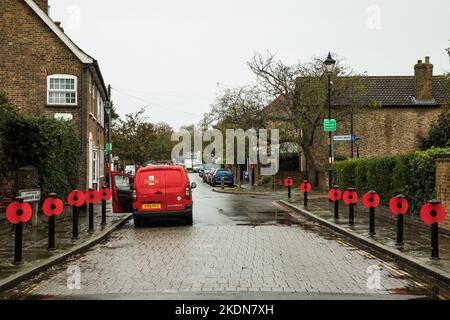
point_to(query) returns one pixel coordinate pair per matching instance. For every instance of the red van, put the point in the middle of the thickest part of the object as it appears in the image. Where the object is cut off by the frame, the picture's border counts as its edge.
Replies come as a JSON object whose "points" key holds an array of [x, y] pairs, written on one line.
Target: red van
{"points": [[162, 191]]}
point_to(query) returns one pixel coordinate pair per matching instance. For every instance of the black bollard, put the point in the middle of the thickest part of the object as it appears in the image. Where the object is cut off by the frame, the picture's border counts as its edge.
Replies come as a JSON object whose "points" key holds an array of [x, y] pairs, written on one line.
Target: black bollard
{"points": [[52, 227], [435, 241], [18, 238], [91, 215], [103, 212], [305, 199], [289, 192], [372, 220], [400, 229], [351, 214], [336, 210], [75, 211]]}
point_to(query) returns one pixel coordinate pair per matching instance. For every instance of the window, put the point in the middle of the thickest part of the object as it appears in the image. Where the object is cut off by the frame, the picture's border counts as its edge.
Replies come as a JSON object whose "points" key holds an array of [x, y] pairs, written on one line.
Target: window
{"points": [[62, 89], [102, 163], [95, 170]]}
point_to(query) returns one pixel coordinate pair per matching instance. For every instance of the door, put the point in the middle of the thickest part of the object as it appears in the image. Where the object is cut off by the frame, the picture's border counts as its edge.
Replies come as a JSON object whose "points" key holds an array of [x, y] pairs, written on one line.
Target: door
{"points": [[122, 189], [176, 184]]}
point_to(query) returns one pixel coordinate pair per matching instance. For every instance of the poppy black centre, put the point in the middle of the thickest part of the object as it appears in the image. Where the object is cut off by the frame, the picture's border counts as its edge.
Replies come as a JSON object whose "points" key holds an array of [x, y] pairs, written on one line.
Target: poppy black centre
{"points": [[53, 206], [335, 195], [19, 212], [350, 197], [75, 198], [399, 205], [433, 213], [371, 199], [91, 196], [104, 194]]}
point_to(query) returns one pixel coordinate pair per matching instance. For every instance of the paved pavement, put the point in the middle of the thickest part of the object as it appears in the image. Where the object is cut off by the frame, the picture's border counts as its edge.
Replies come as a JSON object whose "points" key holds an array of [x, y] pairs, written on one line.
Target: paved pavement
{"points": [[243, 246]]}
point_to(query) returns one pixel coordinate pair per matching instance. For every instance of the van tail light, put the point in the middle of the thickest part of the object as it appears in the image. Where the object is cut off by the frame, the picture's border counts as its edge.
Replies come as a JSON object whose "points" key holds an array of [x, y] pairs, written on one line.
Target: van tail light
{"points": [[134, 197], [188, 193]]}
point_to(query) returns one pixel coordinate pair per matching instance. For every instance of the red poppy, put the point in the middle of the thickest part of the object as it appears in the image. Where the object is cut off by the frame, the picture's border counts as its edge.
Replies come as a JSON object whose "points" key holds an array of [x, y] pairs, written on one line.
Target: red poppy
{"points": [[371, 200], [305, 186], [93, 196], [335, 194], [288, 182], [105, 194], [53, 207], [432, 212], [350, 197], [398, 205], [76, 198], [19, 212]]}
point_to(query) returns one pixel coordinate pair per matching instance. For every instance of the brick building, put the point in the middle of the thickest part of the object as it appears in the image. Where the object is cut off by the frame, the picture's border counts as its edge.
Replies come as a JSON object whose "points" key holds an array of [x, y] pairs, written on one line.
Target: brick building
{"points": [[46, 74], [388, 118]]}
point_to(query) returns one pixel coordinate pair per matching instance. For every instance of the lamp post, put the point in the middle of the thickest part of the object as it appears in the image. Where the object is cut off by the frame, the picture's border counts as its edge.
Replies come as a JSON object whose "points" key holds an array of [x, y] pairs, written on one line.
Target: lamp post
{"points": [[330, 63], [108, 108]]}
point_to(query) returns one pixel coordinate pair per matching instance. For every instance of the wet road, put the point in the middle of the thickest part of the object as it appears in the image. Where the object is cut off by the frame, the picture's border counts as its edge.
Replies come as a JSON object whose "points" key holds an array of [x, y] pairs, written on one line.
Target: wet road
{"points": [[240, 247]]}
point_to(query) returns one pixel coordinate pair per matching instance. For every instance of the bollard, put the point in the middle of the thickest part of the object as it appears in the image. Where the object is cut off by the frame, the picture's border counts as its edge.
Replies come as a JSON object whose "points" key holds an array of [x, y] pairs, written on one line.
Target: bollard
{"points": [[350, 199], [91, 210], [433, 213], [103, 212], [335, 195], [371, 200], [399, 207], [222, 183], [52, 207], [288, 182], [305, 187], [17, 214], [76, 200], [105, 195]]}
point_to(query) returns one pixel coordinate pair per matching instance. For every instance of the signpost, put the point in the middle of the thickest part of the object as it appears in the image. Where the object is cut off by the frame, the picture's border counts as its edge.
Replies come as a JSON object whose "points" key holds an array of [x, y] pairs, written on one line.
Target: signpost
{"points": [[348, 137], [329, 125], [32, 196]]}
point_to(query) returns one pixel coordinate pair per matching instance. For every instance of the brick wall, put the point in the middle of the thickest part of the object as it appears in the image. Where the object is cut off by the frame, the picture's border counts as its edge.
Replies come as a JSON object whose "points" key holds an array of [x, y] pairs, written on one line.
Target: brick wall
{"points": [[443, 185]]}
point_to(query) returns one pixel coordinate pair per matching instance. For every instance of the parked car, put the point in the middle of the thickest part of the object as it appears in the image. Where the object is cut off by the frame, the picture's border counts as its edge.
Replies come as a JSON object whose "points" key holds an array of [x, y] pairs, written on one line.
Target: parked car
{"points": [[196, 167], [161, 191], [209, 176], [225, 174], [206, 168]]}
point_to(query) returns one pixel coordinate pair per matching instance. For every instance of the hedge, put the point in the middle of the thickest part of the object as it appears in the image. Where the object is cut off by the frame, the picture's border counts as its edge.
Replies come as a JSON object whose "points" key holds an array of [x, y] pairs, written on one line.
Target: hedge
{"points": [[50, 145], [412, 174]]}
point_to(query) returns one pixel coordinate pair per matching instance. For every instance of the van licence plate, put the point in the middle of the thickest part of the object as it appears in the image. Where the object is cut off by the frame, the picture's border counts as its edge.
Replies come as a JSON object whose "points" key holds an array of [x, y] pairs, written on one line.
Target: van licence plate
{"points": [[150, 206]]}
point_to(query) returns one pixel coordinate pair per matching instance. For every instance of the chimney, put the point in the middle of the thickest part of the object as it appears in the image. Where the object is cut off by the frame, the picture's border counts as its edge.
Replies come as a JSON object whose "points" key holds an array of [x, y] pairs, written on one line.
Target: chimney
{"points": [[43, 4], [423, 74], [58, 24]]}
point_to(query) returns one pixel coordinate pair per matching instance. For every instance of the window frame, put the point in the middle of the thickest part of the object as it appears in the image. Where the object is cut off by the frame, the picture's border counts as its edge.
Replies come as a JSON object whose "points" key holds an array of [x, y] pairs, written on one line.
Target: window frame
{"points": [[62, 76]]}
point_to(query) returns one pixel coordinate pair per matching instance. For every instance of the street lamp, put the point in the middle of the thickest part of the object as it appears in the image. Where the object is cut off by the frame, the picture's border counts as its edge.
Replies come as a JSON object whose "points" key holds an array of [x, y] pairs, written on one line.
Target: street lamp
{"points": [[330, 63]]}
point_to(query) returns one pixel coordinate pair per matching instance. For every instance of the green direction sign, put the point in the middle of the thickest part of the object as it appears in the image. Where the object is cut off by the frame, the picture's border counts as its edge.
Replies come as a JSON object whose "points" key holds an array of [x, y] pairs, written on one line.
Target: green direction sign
{"points": [[108, 147], [329, 125]]}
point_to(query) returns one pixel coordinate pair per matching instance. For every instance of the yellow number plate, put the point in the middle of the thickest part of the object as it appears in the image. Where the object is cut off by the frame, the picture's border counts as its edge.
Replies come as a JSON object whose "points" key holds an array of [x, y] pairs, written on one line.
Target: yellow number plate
{"points": [[151, 206]]}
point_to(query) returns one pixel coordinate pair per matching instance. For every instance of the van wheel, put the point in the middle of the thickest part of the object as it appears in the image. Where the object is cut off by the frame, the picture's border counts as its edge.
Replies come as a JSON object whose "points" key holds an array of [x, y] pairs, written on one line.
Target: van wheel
{"points": [[189, 220], [138, 222]]}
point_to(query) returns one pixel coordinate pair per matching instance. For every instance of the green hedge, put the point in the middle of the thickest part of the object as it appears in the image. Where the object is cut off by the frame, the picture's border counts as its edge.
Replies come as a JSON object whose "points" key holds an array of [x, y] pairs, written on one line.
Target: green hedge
{"points": [[411, 174], [52, 146]]}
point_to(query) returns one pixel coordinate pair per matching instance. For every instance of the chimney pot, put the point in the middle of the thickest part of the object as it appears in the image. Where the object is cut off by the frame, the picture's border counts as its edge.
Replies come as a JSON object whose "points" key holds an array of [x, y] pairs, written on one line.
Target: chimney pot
{"points": [[427, 60]]}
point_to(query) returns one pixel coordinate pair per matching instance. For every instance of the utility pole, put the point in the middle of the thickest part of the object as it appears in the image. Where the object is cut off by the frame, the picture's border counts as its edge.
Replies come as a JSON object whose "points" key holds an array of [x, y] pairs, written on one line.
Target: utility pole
{"points": [[110, 107], [351, 132]]}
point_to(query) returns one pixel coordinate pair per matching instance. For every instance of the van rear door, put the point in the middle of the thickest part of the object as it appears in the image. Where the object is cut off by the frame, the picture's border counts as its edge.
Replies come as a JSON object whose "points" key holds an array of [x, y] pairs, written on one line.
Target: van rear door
{"points": [[176, 184], [151, 188]]}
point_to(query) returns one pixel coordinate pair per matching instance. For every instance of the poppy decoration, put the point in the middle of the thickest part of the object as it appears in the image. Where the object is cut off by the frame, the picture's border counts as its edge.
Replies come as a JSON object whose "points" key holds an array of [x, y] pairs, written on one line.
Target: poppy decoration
{"points": [[93, 196], [432, 212], [398, 205], [53, 207], [371, 200], [305, 186], [76, 198], [288, 182], [18, 212], [350, 197], [335, 194], [105, 194]]}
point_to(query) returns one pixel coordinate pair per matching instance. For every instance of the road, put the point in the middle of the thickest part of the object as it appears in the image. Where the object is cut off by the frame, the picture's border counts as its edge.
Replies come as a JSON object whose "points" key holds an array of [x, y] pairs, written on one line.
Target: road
{"points": [[239, 247]]}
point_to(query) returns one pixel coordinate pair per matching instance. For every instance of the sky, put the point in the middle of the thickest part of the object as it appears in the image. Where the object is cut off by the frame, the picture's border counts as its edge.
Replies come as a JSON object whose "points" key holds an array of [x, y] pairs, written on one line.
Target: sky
{"points": [[174, 56]]}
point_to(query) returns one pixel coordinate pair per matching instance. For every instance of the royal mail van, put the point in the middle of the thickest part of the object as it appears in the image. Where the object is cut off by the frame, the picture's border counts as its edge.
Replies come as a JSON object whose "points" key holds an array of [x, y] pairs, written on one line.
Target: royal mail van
{"points": [[162, 191]]}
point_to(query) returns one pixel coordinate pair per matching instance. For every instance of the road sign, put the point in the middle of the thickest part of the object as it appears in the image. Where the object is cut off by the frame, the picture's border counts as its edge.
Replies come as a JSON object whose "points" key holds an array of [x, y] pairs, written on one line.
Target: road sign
{"points": [[30, 195], [348, 137], [329, 125], [108, 147]]}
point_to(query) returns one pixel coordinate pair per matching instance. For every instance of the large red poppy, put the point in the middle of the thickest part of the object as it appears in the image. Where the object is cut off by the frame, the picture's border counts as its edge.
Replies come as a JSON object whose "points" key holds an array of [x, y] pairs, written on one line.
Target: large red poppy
{"points": [[350, 197], [305, 186], [93, 196], [432, 212], [335, 194], [53, 207], [398, 205], [76, 198], [288, 182], [105, 194], [19, 212], [371, 200]]}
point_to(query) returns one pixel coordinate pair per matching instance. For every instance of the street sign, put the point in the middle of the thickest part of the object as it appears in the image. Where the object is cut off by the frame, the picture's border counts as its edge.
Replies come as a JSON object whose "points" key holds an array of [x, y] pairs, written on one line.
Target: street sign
{"points": [[108, 147], [30, 195], [348, 137], [329, 125]]}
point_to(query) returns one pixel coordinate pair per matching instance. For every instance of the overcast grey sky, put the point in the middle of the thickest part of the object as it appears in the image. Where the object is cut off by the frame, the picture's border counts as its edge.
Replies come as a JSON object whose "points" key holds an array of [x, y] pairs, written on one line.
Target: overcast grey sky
{"points": [[175, 55]]}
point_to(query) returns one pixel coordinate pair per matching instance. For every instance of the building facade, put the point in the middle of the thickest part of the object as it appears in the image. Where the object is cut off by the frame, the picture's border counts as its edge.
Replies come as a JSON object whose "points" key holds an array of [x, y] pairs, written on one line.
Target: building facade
{"points": [[44, 73]]}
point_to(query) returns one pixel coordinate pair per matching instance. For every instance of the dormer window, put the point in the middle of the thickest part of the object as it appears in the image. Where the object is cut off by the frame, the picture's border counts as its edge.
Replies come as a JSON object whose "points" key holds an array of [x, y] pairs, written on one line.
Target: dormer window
{"points": [[62, 90]]}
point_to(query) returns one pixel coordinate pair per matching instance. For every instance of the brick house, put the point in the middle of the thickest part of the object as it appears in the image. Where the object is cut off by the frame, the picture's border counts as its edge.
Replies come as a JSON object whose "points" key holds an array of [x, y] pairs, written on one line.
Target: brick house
{"points": [[389, 118], [44, 73]]}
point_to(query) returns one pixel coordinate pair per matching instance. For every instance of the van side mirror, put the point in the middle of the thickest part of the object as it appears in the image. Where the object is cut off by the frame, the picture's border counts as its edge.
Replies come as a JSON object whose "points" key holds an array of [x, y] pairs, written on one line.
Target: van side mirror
{"points": [[193, 185]]}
